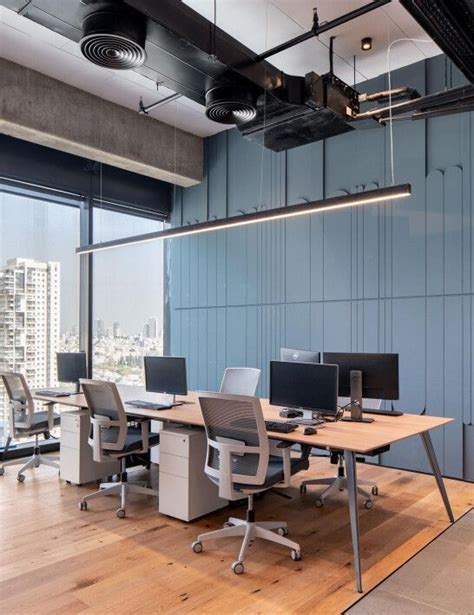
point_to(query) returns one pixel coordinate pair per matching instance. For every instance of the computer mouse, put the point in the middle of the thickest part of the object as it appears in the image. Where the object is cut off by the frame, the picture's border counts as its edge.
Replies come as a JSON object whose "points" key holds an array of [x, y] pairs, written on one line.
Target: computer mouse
{"points": [[310, 431]]}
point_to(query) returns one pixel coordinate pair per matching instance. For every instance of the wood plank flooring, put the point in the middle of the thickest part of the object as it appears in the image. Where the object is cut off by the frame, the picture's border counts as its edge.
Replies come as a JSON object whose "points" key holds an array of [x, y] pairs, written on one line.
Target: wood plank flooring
{"points": [[57, 559]]}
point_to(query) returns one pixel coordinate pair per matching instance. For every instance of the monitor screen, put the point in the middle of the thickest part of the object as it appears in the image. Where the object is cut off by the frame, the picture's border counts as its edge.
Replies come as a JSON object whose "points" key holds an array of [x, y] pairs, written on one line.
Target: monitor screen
{"points": [[166, 375], [312, 386], [379, 373], [71, 366], [302, 356]]}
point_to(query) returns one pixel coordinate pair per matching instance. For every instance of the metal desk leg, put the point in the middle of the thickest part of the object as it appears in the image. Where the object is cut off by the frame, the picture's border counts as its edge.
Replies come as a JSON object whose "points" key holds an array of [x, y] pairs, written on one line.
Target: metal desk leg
{"points": [[430, 453], [349, 456]]}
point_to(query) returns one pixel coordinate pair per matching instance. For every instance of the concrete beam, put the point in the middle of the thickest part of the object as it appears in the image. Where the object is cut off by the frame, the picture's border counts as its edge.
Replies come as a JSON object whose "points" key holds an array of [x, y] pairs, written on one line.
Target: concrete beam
{"points": [[43, 110]]}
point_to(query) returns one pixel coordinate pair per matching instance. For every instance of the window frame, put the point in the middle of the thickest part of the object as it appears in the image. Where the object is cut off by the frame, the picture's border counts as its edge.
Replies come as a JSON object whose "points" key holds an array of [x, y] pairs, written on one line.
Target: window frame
{"points": [[88, 203]]}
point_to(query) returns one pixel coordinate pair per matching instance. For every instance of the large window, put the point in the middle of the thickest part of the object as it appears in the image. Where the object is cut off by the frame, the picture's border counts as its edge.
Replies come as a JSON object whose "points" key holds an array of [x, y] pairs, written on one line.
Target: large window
{"points": [[127, 298], [39, 286]]}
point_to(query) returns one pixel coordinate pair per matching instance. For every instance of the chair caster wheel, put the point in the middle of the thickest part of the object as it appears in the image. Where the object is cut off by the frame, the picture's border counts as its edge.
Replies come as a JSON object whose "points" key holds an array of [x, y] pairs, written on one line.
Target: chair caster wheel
{"points": [[302, 489], [82, 505], [319, 503], [21, 478], [237, 567], [368, 504], [295, 555], [282, 531], [120, 513], [375, 490], [2, 471], [197, 546], [228, 524]]}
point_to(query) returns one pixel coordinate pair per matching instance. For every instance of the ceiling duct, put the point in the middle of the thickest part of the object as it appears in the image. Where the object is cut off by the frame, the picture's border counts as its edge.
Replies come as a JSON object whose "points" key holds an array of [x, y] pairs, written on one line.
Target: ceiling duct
{"points": [[450, 23], [193, 57], [230, 104], [114, 38]]}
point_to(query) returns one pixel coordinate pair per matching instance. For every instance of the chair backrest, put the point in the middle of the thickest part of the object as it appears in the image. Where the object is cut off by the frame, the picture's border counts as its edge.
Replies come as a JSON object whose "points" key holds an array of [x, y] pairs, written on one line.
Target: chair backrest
{"points": [[238, 447], [21, 403], [240, 381], [107, 416]]}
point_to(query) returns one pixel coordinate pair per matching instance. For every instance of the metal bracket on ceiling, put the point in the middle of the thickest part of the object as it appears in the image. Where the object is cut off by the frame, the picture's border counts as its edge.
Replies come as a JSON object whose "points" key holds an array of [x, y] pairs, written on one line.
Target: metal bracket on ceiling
{"points": [[159, 103], [318, 28]]}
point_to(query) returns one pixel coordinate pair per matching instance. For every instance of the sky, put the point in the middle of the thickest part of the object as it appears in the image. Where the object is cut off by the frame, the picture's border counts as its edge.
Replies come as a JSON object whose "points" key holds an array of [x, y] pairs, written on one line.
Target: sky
{"points": [[128, 282]]}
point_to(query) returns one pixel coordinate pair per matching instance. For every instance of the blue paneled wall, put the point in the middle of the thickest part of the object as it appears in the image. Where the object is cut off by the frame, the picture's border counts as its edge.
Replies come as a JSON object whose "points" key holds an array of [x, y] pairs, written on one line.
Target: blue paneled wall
{"points": [[380, 278]]}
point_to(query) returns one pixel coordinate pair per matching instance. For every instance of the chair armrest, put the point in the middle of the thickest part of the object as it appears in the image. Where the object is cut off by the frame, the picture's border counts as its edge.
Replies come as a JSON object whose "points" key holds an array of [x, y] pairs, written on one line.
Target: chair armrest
{"points": [[145, 425], [285, 444], [99, 422], [228, 448], [50, 411]]}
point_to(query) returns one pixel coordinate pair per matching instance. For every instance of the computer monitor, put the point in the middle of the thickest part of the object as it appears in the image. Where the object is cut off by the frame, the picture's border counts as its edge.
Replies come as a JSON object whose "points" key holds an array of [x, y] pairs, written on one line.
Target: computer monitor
{"points": [[166, 375], [301, 356], [71, 367], [365, 375], [307, 386]]}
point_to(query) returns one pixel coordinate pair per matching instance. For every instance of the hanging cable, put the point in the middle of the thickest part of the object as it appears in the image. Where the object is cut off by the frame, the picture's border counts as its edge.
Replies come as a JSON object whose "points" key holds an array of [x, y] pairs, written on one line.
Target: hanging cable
{"points": [[390, 118]]}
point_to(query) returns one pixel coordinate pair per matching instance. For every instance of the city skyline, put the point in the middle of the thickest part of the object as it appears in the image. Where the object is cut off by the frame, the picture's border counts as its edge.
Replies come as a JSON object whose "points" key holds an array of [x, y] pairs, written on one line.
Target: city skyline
{"points": [[127, 285]]}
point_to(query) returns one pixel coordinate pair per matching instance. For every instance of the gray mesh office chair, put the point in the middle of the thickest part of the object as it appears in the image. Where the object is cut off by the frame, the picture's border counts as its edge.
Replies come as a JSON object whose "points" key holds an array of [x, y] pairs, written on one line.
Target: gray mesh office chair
{"points": [[112, 438], [240, 381], [240, 461], [26, 422]]}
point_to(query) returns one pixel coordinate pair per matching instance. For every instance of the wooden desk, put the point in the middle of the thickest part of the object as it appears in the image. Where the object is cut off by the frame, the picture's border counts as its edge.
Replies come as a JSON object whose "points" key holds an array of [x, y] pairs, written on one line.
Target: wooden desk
{"points": [[352, 438]]}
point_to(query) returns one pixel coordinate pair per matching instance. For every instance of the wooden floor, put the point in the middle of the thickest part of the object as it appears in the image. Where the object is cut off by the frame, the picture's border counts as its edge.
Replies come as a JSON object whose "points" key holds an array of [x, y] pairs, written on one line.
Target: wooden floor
{"points": [[57, 559]]}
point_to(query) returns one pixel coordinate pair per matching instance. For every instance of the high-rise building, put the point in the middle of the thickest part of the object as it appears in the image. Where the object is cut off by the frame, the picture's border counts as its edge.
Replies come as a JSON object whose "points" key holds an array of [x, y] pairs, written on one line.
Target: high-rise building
{"points": [[29, 320], [116, 329], [99, 328], [152, 328]]}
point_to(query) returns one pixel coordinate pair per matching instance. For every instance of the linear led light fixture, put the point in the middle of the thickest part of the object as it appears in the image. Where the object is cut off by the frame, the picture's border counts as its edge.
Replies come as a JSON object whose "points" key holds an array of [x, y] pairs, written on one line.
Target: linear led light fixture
{"points": [[330, 204]]}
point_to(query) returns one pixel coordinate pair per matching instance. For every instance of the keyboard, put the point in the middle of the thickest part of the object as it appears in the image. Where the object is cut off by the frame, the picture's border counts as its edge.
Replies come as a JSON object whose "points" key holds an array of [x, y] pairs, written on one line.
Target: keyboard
{"points": [[382, 411], [280, 426], [48, 393], [147, 405]]}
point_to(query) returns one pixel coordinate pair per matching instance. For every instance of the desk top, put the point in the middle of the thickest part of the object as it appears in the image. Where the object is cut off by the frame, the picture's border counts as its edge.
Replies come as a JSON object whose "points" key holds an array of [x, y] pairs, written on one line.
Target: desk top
{"points": [[356, 437]]}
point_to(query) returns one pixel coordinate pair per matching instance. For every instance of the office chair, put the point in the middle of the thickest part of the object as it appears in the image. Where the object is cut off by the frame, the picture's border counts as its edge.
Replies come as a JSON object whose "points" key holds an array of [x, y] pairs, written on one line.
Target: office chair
{"points": [[241, 460], [240, 381], [339, 483], [112, 438], [25, 422]]}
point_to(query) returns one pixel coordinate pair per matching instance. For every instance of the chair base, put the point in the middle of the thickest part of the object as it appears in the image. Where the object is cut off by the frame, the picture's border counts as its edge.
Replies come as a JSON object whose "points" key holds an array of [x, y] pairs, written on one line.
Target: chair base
{"points": [[33, 462], [122, 489], [339, 483], [250, 530]]}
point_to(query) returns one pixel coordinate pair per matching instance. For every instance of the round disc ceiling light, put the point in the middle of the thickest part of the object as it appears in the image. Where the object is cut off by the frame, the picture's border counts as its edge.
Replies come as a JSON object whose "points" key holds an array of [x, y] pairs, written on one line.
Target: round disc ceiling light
{"points": [[114, 39], [230, 104]]}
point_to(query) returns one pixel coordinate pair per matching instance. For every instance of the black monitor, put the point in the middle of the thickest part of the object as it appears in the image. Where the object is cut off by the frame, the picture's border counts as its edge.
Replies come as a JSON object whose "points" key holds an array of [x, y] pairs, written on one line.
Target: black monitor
{"points": [[379, 373], [166, 375], [309, 386], [71, 367], [301, 356]]}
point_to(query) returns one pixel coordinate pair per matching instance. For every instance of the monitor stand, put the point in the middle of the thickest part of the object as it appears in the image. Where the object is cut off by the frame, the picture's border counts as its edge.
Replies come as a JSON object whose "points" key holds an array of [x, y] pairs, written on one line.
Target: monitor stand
{"points": [[78, 387], [356, 399]]}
